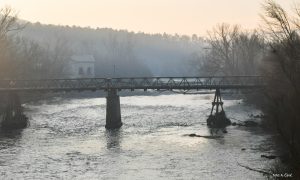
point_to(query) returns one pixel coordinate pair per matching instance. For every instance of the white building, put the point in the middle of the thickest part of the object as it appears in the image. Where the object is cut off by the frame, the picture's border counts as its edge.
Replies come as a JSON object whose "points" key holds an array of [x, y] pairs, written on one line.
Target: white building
{"points": [[82, 66]]}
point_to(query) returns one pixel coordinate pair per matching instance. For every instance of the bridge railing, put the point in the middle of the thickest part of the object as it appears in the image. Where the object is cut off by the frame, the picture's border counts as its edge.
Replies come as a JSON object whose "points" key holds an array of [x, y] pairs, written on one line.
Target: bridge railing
{"points": [[208, 82], [186, 82]]}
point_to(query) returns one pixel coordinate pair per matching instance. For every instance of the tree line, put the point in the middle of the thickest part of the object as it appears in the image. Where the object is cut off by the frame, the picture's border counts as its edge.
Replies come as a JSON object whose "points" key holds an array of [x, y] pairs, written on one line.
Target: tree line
{"points": [[35, 50]]}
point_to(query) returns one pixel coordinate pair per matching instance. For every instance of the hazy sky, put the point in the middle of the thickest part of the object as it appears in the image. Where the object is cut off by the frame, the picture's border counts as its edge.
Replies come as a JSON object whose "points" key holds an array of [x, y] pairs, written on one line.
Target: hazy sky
{"points": [[151, 16]]}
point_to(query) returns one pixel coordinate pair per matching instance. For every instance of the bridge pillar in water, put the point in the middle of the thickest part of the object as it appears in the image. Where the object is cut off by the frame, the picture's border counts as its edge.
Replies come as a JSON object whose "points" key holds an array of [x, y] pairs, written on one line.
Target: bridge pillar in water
{"points": [[13, 116], [218, 119], [113, 110]]}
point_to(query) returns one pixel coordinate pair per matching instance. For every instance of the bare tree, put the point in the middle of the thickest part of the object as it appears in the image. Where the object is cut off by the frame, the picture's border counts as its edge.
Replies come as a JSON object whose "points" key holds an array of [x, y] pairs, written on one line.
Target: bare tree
{"points": [[8, 23], [233, 51], [282, 68], [249, 50], [222, 55], [120, 58], [59, 56], [283, 39]]}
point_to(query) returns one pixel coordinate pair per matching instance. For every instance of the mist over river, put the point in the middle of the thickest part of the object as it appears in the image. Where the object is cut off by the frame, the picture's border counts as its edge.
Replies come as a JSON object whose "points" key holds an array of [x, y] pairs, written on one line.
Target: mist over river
{"points": [[66, 139]]}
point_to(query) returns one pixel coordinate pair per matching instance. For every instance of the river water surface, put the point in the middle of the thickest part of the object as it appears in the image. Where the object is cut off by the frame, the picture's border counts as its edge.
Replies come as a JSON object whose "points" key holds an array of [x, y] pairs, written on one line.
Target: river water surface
{"points": [[66, 139]]}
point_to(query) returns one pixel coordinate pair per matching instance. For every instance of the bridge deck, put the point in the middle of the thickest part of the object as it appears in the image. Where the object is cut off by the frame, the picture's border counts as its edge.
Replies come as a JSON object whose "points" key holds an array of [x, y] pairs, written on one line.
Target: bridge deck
{"points": [[143, 83]]}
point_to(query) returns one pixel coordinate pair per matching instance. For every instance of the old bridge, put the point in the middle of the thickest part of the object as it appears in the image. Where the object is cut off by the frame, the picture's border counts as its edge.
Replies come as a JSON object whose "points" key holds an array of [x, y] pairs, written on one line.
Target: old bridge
{"points": [[113, 85]]}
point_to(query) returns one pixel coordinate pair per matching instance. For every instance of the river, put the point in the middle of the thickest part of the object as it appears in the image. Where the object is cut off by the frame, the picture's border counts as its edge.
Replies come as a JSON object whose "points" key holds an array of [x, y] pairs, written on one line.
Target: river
{"points": [[66, 139]]}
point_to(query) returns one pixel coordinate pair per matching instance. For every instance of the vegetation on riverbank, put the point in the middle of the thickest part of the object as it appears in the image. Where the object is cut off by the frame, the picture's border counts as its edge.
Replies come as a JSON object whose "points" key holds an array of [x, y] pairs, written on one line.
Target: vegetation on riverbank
{"points": [[273, 52], [281, 66]]}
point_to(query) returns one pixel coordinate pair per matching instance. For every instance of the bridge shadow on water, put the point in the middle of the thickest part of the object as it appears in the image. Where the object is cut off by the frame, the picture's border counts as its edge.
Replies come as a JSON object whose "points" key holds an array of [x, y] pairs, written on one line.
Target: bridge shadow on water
{"points": [[113, 138]]}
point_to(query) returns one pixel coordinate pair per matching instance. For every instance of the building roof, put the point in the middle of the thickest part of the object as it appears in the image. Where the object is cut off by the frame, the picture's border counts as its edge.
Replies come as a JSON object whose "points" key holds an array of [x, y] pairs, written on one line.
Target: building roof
{"points": [[83, 58]]}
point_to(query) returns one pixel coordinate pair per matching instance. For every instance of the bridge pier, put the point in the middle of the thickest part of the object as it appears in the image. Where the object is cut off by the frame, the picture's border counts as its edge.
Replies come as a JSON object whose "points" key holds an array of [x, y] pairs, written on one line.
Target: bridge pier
{"points": [[218, 119], [113, 110], [13, 117]]}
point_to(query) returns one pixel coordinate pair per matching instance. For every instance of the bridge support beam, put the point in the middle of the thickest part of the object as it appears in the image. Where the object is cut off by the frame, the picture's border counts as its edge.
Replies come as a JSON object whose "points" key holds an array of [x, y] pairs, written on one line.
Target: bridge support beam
{"points": [[113, 110], [218, 119]]}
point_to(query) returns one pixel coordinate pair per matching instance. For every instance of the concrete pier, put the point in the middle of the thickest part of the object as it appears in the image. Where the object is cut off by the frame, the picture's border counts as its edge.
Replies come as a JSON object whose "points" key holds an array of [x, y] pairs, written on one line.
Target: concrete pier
{"points": [[113, 110], [13, 117]]}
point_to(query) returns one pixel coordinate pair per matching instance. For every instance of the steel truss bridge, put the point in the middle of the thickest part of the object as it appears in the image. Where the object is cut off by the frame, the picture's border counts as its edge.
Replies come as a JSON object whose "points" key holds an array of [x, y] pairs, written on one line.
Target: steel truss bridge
{"points": [[113, 85], [141, 83]]}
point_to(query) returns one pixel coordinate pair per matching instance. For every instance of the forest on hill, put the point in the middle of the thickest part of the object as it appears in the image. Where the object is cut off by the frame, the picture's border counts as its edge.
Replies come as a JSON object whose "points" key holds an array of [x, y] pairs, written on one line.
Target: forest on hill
{"points": [[118, 52]]}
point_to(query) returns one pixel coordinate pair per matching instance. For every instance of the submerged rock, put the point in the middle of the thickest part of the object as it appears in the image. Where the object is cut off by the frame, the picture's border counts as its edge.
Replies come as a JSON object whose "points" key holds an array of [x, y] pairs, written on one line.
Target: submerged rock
{"points": [[269, 157], [192, 135], [257, 116], [250, 124], [208, 137], [246, 124]]}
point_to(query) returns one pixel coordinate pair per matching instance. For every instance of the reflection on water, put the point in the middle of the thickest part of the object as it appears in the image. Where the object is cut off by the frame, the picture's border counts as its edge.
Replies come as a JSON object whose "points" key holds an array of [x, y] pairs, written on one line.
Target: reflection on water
{"points": [[113, 138], [13, 135], [9, 143], [9, 139], [217, 131], [66, 139]]}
